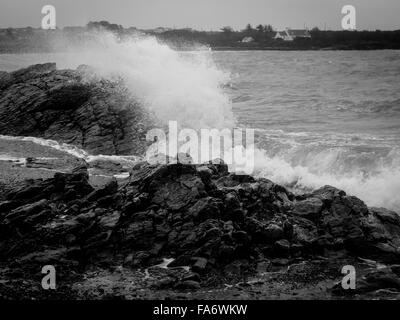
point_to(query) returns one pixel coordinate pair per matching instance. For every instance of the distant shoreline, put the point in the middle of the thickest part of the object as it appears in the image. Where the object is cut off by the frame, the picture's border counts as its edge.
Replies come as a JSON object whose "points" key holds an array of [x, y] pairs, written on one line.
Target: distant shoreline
{"points": [[29, 40], [221, 49], [297, 49]]}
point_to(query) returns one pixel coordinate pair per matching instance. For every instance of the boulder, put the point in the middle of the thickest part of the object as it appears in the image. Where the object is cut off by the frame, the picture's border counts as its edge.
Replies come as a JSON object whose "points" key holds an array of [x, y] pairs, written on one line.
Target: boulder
{"points": [[187, 285], [309, 208], [199, 264], [96, 115]]}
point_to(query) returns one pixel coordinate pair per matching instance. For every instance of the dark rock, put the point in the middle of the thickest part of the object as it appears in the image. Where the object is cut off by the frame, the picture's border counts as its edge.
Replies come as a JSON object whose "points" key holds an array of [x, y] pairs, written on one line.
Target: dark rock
{"points": [[140, 258], [109, 221], [227, 253], [282, 247], [373, 280], [98, 116], [188, 285], [386, 216], [45, 257], [273, 232], [165, 283], [109, 189], [8, 205], [240, 236], [218, 166], [396, 269], [280, 262], [192, 276], [22, 213], [328, 193], [263, 266], [199, 264], [309, 208], [205, 208], [236, 215], [216, 223], [236, 268]]}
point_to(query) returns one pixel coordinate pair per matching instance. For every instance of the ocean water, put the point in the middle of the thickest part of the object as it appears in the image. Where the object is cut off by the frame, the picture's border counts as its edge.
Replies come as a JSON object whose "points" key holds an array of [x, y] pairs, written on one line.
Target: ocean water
{"points": [[320, 117], [323, 117]]}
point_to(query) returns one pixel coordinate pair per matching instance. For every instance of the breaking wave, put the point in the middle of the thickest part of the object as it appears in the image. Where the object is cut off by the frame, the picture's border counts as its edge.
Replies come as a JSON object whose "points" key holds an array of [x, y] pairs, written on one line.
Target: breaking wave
{"points": [[191, 89], [185, 87], [379, 188]]}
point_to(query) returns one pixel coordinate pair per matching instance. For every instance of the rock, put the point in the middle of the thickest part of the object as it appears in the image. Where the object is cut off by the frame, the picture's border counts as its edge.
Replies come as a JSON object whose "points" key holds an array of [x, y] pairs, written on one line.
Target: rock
{"points": [[396, 269], [173, 189], [386, 216], [164, 283], [201, 215], [226, 253], [22, 213], [309, 208], [282, 247], [380, 279], [218, 166], [280, 262], [8, 205], [109, 221], [236, 268], [205, 208], [45, 257], [97, 116], [110, 188], [205, 172], [263, 266], [328, 193], [231, 202], [373, 280], [192, 276], [236, 215], [223, 230], [273, 232], [140, 259], [199, 264], [305, 232], [240, 237], [188, 285], [6, 79]]}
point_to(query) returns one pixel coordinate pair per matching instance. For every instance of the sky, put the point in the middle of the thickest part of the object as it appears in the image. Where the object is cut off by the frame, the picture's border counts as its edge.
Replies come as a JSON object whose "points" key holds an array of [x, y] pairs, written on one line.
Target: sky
{"points": [[204, 14]]}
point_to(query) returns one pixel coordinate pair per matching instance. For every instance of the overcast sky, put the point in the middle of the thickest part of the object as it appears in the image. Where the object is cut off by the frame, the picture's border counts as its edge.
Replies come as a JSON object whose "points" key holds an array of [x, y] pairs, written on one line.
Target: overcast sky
{"points": [[204, 14]]}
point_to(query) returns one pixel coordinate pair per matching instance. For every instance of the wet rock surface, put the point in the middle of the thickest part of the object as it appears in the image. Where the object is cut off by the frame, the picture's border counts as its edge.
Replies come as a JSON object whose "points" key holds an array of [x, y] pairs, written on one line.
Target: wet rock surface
{"points": [[179, 230], [72, 106], [229, 235]]}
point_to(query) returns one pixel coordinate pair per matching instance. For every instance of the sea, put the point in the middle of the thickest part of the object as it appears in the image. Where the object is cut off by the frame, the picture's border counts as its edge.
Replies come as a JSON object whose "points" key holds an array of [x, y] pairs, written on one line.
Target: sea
{"points": [[320, 117]]}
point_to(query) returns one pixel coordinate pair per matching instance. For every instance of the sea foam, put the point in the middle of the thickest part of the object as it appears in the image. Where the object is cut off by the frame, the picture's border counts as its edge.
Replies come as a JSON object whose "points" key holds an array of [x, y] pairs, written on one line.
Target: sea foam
{"points": [[191, 89]]}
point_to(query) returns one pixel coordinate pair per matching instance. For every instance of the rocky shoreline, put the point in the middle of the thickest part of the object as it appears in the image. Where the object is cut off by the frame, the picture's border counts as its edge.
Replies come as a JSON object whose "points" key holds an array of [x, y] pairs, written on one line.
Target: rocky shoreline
{"points": [[74, 107], [219, 229], [178, 230]]}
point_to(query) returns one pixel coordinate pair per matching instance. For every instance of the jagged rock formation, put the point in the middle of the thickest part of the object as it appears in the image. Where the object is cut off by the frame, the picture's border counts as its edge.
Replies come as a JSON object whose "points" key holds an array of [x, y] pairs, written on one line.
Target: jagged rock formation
{"points": [[201, 215], [67, 106], [218, 224]]}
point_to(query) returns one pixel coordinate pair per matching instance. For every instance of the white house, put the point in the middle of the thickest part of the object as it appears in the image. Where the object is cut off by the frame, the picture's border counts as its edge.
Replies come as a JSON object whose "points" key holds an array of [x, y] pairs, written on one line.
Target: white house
{"points": [[247, 39], [291, 34]]}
